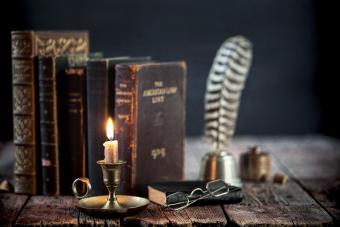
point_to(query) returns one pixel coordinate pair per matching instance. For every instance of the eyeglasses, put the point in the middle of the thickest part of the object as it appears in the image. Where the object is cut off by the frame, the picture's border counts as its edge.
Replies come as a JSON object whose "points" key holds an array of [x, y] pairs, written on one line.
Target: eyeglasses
{"points": [[181, 200]]}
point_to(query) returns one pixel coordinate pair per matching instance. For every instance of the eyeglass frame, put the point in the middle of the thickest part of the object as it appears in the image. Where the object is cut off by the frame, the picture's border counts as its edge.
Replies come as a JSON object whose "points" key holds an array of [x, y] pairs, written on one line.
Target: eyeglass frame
{"points": [[205, 193]]}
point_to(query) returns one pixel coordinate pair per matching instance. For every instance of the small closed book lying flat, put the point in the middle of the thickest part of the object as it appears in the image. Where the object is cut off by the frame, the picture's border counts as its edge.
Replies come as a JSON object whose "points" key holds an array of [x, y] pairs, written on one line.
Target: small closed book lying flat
{"points": [[159, 193]]}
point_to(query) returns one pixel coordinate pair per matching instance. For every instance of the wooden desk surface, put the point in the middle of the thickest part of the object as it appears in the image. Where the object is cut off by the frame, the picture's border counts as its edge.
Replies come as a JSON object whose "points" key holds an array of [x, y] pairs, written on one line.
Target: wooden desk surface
{"points": [[312, 162]]}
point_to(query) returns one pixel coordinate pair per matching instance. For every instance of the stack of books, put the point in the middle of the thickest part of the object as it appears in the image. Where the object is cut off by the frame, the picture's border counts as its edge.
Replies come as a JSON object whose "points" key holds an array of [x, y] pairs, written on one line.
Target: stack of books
{"points": [[62, 95]]}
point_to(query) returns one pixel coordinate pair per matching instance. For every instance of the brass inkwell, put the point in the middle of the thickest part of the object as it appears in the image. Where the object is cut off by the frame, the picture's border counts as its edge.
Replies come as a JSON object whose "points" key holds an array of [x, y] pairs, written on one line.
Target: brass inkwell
{"points": [[110, 204]]}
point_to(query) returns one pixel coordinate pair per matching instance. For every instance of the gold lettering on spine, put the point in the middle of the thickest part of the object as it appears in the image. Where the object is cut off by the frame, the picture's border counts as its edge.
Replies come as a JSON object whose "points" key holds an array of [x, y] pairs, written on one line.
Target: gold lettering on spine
{"points": [[158, 99], [158, 152], [158, 83], [158, 93]]}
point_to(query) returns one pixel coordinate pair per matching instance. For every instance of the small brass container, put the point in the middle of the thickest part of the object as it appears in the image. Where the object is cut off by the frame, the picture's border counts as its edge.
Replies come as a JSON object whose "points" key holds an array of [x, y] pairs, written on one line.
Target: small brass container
{"points": [[255, 165]]}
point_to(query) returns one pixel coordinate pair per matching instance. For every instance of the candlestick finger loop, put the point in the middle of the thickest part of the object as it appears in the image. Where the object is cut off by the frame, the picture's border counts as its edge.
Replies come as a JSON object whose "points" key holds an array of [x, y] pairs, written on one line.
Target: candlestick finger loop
{"points": [[86, 186]]}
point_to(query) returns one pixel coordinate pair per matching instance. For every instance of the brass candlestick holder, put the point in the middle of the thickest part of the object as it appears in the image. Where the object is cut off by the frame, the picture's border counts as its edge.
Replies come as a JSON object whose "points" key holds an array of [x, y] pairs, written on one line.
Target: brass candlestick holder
{"points": [[105, 205], [111, 178]]}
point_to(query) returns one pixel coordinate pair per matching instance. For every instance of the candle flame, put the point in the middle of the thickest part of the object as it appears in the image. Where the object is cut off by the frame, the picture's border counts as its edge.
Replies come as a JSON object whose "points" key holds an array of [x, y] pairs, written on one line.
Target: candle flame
{"points": [[109, 129]]}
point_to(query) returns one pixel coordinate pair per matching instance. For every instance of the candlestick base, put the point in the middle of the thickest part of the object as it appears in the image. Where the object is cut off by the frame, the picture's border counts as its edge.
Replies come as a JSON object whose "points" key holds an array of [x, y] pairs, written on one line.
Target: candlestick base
{"points": [[126, 205]]}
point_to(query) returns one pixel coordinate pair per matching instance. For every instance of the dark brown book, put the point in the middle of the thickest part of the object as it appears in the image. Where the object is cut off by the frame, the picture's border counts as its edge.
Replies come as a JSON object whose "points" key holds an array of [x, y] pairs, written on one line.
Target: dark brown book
{"points": [[26, 45], [150, 117], [159, 192], [62, 120], [100, 83], [48, 126], [70, 73]]}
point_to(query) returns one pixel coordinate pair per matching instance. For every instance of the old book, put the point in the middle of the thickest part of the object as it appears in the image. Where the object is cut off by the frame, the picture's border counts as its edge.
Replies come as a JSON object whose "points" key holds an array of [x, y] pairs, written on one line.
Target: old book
{"points": [[62, 120], [100, 82], [150, 119], [158, 193], [26, 45], [71, 72], [48, 126]]}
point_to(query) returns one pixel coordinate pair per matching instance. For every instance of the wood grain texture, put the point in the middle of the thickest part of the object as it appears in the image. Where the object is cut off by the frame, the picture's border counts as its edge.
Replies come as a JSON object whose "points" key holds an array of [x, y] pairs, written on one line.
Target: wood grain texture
{"points": [[270, 204], [206, 215], [315, 157], [85, 220], [52, 211], [277, 215], [314, 163], [58, 211], [10, 206], [156, 215], [321, 191], [258, 194], [179, 218], [152, 216]]}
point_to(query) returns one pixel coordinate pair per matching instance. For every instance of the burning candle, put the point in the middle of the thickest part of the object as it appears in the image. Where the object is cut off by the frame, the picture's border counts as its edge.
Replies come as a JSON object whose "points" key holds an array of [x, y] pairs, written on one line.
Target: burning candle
{"points": [[111, 146]]}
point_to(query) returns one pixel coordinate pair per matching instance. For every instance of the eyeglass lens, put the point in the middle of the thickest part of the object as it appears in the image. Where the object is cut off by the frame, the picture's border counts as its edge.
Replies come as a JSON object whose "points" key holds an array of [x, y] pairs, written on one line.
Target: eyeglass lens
{"points": [[217, 188], [177, 200]]}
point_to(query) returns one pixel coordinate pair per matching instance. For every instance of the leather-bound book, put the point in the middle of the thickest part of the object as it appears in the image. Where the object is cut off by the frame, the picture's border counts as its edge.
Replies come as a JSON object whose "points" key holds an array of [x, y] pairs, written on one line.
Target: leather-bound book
{"points": [[49, 143], [26, 45], [100, 85], [71, 72], [163, 193], [150, 117], [62, 120]]}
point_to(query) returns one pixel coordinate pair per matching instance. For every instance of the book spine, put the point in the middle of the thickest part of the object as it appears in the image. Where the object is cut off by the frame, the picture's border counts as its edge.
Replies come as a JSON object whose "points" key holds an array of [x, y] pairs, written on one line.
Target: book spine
{"points": [[97, 113], [71, 121], [159, 122], [24, 112], [48, 126], [125, 110]]}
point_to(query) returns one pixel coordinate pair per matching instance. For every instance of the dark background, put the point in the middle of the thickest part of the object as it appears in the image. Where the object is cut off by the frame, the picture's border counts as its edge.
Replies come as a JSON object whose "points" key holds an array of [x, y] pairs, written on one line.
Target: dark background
{"points": [[293, 83]]}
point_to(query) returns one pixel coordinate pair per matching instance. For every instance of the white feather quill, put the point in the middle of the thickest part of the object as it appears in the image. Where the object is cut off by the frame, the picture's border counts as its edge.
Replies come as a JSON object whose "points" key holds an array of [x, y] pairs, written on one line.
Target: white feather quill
{"points": [[225, 83]]}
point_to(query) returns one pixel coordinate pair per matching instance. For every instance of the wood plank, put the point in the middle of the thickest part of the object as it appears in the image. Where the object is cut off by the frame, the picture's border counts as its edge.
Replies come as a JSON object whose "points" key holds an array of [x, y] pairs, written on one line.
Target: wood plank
{"points": [[309, 157], [270, 204], [326, 192], [206, 215], [152, 216], [196, 216], [156, 215], [314, 163], [177, 218], [86, 220], [10, 206], [272, 194], [277, 215], [58, 211], [47, 210]]}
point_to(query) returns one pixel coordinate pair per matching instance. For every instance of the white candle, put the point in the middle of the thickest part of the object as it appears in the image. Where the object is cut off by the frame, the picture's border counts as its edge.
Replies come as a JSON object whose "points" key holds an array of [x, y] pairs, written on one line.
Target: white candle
{"points": [[111, 146]]}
